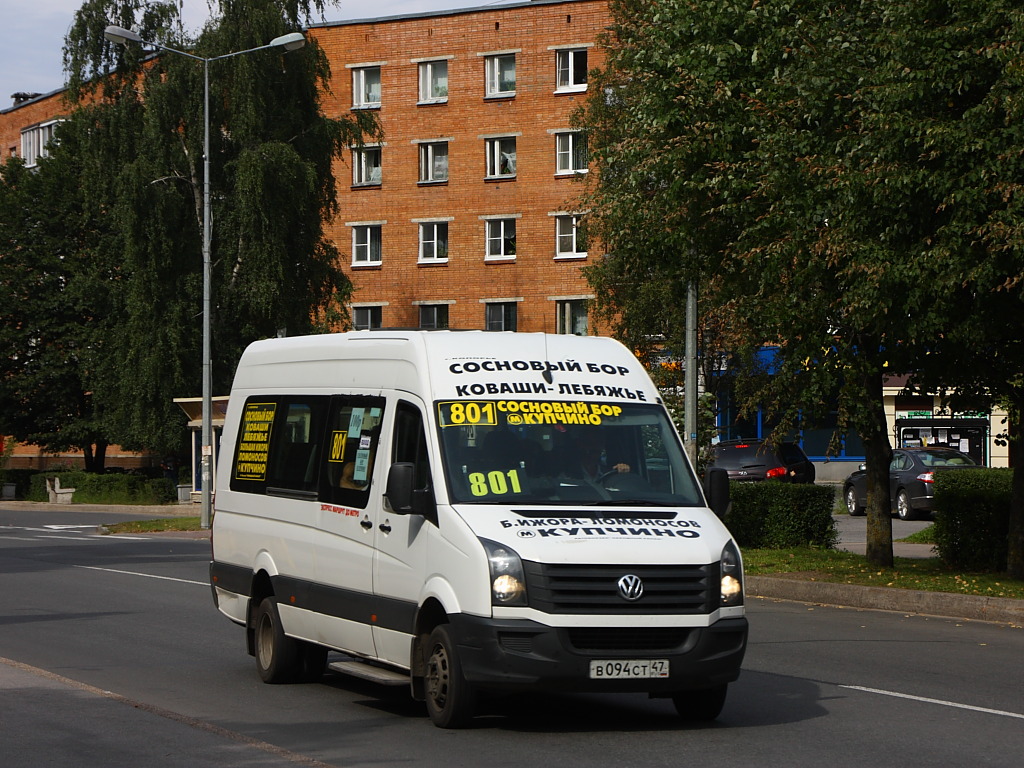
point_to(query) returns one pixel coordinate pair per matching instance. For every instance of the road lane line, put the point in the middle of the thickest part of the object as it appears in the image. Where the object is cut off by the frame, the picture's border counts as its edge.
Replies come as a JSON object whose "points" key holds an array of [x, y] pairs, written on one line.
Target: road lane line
{"points": [[942, 702], [145, 575], [201, 725]]}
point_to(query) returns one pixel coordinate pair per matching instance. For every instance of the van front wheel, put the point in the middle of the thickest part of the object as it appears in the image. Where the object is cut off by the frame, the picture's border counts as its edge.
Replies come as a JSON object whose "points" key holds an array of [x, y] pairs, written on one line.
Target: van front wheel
{"points": [[451, 701], [277, 655]]}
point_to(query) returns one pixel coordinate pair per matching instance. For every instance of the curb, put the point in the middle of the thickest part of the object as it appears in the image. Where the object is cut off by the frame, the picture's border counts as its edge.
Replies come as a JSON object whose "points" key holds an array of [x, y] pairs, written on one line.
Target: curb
{"points": [[973, 607]]}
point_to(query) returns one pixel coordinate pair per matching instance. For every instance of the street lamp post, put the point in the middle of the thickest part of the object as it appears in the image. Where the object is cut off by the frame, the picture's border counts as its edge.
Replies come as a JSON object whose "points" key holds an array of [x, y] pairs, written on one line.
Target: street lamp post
{"points": [[289, 42]]}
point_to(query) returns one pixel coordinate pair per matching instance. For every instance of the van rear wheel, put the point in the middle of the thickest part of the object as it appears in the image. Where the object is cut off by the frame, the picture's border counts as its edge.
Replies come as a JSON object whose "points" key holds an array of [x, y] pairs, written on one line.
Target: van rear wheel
{"points": [[451, 701], [703, 704], [277, 655]]}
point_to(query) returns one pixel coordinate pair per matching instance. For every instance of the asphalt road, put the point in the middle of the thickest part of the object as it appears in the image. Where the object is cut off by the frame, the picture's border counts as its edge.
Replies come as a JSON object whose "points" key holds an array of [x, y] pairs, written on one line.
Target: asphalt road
{"points": [[112, 654]]}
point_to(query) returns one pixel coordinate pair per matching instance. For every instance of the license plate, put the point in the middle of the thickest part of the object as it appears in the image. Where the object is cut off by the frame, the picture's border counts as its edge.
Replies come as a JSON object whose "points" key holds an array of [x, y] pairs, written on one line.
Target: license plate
{"points": [[627, 669]]}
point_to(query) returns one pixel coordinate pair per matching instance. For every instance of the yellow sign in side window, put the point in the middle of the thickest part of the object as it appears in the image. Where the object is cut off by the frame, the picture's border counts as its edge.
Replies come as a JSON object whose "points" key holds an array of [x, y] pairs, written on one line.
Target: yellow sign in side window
{"points": [[338, 440], [254, 441]]}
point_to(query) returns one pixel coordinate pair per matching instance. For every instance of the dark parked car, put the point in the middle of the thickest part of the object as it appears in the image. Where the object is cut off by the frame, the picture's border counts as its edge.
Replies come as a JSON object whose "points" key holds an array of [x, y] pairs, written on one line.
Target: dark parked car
{"points": [[750, 460], [911, 475]]}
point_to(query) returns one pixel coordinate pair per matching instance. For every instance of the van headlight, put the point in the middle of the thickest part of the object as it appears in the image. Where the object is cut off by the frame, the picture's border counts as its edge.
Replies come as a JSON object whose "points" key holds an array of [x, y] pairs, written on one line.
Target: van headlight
{"points": [[508, 583], [732, 576]]}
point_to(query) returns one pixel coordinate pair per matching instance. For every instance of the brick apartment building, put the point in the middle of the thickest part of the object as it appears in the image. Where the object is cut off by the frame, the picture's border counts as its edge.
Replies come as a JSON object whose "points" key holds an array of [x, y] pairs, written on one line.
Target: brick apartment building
{"points": [[462, 216]]}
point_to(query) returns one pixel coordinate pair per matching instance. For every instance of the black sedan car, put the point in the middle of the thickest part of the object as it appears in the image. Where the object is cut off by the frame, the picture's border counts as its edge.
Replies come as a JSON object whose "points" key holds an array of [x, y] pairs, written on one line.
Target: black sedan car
{"points": [[911, 478], [751, 460]]}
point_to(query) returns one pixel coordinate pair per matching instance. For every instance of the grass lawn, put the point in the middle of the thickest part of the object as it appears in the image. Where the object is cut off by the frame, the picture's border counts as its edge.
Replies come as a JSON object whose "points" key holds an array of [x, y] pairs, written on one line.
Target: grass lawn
{"points": [[156, 526]]}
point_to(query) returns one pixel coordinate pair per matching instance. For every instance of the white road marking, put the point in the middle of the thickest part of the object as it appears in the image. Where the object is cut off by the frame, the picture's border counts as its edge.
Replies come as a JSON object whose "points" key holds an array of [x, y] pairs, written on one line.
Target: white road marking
{"points": [[941, 702], [145, 575]]}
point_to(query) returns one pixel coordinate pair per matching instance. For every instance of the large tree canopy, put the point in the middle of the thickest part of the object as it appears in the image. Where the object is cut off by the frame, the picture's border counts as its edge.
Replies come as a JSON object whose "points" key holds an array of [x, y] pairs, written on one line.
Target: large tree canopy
{"points": [[130, 156], [809, 165]]}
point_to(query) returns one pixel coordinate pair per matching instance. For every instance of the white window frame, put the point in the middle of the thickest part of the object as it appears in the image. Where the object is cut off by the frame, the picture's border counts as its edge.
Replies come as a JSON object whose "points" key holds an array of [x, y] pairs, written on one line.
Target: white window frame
{"points": [[438, 307], [366, 238], [35, 142], [430, 89], [567, 65], [568, 315], [506, 307], [500, 238], [493, 75], [367, 168], [361, 96], [499, 159], [370, 310], [429, 156], [567, 148], [567, 236], [433, 242]]}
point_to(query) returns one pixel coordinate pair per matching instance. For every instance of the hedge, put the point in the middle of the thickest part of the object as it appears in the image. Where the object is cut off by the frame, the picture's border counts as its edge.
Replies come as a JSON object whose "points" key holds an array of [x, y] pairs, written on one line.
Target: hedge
{"points": [[777, 515], [972, 518], [92, 488]]}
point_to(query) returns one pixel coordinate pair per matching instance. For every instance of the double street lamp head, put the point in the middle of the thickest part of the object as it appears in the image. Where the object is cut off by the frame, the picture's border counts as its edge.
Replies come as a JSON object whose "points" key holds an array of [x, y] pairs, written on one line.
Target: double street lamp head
{"points": [[121, 36]]}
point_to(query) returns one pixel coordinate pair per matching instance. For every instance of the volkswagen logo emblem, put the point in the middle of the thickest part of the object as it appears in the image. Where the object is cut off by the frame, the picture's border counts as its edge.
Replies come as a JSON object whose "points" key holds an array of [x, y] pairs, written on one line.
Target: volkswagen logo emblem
{"points": [[631, 587]]}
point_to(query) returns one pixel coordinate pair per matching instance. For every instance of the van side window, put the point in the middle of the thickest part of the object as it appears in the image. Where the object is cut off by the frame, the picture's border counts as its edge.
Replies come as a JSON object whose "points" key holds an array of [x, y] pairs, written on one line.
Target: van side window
{"points": [[295, 448], [278, 446], [410, 442], [351, 440]]}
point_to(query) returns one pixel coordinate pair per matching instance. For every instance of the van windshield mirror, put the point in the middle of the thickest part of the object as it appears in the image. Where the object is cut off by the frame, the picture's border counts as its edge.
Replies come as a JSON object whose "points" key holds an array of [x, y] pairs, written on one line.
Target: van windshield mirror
{"points": [[545, 452]]}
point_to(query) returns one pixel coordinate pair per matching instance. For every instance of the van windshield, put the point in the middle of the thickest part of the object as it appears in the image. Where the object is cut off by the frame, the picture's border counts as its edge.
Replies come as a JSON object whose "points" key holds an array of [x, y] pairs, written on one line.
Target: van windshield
{"points": [[544, 452]]}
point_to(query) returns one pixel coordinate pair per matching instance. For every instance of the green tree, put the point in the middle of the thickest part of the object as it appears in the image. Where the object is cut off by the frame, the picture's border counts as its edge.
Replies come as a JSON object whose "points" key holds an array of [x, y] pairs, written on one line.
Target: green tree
{"points": [[138, 125], [47, 314], [761, 149]]}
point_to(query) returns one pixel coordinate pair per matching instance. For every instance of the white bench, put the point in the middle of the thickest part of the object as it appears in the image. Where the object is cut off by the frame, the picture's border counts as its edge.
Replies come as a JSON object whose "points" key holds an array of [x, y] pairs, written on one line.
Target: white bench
{"points": [[57, 494]]}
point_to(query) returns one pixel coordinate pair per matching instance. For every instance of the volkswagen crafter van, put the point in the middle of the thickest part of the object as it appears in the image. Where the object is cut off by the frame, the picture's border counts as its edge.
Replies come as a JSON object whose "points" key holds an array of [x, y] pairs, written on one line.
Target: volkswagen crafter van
{"points": [[467, 512]]}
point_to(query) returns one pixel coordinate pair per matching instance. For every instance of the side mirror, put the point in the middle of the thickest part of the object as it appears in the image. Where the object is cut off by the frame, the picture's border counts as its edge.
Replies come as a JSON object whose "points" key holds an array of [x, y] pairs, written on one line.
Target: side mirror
{"points": [[716, 488], [404, 498], [401, 477]]}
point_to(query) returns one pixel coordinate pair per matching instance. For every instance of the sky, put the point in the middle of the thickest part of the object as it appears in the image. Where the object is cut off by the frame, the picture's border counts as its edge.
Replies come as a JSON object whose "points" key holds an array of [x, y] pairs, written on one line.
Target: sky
{"points": [[32, 34]]}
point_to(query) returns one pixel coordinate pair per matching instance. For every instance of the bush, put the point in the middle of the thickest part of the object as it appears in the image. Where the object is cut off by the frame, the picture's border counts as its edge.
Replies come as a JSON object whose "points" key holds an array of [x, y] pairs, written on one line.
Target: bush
{"points": [[774, 515], [972, 518], [21, 478], [91, 488]]}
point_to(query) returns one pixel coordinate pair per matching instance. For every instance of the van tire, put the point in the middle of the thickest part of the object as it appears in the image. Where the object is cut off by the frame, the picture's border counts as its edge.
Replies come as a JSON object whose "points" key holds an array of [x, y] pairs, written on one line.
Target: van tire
{"points": [[705, 704], [451, 701], [277, 655]]}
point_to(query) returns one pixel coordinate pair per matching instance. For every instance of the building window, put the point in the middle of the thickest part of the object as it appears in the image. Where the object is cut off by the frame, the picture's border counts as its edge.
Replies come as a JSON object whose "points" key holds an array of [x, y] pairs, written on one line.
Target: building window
{"points": [[434, 162], [433, 316], [366, 318], [501, 238], [571, 154], [366, 169], [433, 81], [36, 141], [434, 241], [500, 316], [366, 87], [571, 317], [501, 75], [501, 157], [571, 65], [569, 239], [366, 244]]}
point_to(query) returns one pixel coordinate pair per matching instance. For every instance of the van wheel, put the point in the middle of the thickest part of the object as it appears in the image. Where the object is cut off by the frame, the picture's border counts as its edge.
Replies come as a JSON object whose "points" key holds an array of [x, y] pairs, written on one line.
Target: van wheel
{"points": [[451, 701], [700, 705], [277, 655]]}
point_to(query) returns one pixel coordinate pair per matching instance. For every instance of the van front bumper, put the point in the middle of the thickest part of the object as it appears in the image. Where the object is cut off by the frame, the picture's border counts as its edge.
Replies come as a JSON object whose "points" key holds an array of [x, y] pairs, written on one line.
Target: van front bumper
{"points": [[522, 654]]}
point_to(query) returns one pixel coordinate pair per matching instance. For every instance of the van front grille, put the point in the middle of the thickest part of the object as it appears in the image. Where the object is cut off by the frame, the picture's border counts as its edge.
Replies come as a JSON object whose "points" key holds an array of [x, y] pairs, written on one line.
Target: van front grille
{"points": [[594, 589], [664, 639]]}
